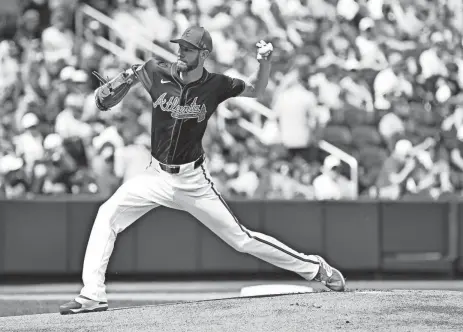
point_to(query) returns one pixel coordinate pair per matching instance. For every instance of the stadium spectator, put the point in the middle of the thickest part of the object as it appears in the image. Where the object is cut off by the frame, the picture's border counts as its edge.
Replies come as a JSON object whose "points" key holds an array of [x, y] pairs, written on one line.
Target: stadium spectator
{"points": [[457, 158], [407, 166], [133, 158], [248, 23], [9, 69], [63, 86], [330, 184], [246, 182], [356, 95], [451, 125], [29, 144], [390, 82], [395, 171], [14, 182], [296, 109], [370, 54], [68, 122], [431, 61], [327, 89], [103, 169], [58, 167], [58, 39], [158, 28], [28, 29], [43, 9], [391, 127], [431, 176], [280, 183]]}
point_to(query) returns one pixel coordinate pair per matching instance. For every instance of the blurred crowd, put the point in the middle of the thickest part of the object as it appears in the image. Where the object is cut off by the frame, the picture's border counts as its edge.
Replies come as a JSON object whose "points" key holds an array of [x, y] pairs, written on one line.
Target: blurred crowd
{"points": [[380, 79]]}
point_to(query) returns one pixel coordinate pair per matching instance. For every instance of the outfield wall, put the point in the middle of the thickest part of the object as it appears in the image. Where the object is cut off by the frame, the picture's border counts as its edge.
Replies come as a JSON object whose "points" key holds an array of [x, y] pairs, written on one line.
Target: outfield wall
{"points": [[49, 236]]}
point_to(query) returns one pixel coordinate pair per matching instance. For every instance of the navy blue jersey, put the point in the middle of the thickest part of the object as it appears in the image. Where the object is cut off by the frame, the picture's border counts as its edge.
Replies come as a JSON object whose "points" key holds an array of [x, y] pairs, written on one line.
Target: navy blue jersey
{"points": [[181, 111]]}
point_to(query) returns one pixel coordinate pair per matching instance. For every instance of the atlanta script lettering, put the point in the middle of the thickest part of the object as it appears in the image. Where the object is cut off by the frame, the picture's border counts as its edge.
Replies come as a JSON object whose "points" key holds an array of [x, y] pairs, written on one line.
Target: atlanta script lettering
{"points": [[192, 111]]}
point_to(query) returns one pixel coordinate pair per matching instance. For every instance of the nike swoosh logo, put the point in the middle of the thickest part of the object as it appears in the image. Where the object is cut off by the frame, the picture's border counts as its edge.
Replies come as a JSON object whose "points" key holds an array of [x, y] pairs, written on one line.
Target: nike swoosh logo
{"points": [[164, 82]]}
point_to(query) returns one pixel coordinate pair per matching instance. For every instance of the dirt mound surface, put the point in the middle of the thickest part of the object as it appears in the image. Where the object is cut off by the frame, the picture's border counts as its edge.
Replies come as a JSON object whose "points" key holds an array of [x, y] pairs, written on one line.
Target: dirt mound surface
{"points": [[366, 310]]}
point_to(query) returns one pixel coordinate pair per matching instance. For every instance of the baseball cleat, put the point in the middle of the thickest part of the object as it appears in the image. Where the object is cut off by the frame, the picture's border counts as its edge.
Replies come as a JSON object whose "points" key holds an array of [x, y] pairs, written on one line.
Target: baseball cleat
{"points": [[80, 305], [330, 277]]}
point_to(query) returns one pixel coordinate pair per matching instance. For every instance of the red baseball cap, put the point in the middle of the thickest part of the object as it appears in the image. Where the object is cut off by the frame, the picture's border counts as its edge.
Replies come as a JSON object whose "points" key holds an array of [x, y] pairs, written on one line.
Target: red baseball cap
{"points": [[195, 36]]}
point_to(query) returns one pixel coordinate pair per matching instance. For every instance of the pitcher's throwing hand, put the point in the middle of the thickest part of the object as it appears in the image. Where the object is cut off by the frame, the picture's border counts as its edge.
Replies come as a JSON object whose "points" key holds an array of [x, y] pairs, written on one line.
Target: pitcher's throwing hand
{"points": [[264, 50]]}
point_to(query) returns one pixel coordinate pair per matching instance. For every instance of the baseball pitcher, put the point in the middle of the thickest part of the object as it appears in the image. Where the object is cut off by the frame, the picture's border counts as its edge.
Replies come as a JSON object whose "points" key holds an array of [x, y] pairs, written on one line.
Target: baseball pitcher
{"points": [[184, 95]]}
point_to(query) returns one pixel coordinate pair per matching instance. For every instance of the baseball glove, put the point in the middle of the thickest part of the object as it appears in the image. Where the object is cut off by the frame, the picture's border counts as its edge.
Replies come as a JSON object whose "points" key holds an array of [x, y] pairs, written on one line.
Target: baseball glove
{"points": [[111, 92]]}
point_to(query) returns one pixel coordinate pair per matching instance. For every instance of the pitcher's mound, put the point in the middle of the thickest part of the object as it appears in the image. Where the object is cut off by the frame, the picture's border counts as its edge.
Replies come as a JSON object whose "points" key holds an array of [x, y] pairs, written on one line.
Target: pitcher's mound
{"points": [[372, 310]]}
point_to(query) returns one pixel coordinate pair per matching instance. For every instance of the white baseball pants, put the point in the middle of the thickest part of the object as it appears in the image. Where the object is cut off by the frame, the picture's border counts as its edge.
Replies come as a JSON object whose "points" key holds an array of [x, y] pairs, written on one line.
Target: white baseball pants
{"points": [[190, 190]]}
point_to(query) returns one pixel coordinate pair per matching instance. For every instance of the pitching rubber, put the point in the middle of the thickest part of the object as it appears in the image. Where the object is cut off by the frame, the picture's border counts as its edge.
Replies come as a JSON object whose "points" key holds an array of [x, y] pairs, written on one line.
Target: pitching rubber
{"points": [[265, 290]]}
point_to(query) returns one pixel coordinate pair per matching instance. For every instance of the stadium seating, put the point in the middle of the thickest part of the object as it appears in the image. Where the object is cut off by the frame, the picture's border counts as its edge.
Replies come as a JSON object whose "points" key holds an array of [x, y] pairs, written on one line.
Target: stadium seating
{"points": [[338, 135], [354, 117], [371, 156], [421, 89], [363, 136]]}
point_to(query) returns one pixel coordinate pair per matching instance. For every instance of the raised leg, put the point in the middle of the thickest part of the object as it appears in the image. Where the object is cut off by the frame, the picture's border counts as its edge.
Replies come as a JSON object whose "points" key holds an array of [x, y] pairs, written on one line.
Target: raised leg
{"points": [[210, 209]]}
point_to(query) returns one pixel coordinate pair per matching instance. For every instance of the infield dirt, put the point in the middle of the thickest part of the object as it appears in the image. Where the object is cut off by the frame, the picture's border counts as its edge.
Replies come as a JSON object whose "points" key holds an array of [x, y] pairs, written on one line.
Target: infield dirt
{"points": [[356, 310]]}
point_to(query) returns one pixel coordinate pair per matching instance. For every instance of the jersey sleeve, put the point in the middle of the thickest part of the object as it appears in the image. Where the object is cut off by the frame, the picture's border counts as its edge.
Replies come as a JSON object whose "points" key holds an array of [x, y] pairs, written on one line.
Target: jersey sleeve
{"points": [[147, 72], [230, 87]]}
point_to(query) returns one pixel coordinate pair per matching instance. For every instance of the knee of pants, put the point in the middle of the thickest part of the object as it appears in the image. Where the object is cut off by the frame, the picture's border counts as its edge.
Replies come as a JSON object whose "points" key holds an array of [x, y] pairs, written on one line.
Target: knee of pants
{"points": [[238, 246], [240, 243]]}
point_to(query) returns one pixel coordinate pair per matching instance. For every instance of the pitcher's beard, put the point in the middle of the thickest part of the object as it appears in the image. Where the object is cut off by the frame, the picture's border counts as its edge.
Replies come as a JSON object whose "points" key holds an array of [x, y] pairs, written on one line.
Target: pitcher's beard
{"points": [[184, 67]]}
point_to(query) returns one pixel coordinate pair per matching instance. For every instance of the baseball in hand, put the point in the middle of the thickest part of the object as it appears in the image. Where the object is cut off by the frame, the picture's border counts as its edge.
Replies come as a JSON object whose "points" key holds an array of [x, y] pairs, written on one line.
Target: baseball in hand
{"points": [[264, 50]]}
